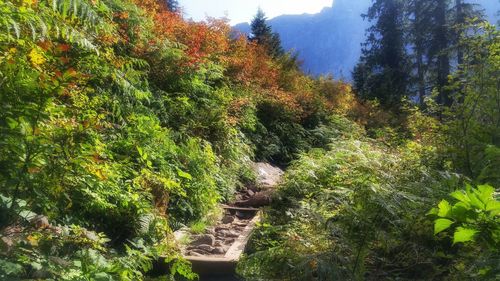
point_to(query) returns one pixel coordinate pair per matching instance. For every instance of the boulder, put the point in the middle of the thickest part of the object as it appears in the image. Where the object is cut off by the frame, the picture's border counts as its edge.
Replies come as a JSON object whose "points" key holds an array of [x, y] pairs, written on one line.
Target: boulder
{"points": [[267, 175], [207, 239]]}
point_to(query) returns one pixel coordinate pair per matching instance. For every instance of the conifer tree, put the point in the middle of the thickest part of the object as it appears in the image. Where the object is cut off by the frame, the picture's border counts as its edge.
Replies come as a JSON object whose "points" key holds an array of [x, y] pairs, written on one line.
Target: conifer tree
{"points": [[419, 29], [383, 71], [439, 53], [262, 34]]}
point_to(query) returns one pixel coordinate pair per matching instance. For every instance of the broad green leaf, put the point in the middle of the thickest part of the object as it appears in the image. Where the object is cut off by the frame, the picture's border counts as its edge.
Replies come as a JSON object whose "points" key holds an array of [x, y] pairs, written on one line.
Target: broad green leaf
{"points": [[463, 234], [493, 207], [474, 201], [459, 211], [485, 193], [433, 211], [460, 196], [441, 225], [444, 208]]}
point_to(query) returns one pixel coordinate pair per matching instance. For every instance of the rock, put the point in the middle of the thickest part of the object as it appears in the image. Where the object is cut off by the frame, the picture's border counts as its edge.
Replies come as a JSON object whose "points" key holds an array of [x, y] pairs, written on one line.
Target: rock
{"points": [[227, 219], [181, 233], [206, 248], [267, 175], [250, 192], [92, 236], [194, 254], [229, 234], [253, 188], [218, 251], [232, 233], [40, 222], [225, 248], [6, 244], [218, 243], [200, 251], [258, 200], [240, 223], [244, 215], [207, 239], [220, 227]]}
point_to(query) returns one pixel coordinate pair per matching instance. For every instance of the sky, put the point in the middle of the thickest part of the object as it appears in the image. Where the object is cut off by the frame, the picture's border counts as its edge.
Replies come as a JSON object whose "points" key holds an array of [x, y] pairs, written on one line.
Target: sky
{"points": [[243, 10]]}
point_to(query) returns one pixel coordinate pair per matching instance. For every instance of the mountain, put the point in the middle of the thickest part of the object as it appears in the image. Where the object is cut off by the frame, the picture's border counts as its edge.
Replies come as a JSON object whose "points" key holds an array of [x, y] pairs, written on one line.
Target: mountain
{"points": [[329, 42]]}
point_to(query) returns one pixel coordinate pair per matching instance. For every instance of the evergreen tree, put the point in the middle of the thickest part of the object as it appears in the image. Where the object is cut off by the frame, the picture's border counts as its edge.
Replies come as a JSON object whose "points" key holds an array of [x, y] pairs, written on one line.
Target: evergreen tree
{"points": [[439, 52], [450, 22], [419, 29], [383, 71], [411, 48], [462, 14], [262, 34]]}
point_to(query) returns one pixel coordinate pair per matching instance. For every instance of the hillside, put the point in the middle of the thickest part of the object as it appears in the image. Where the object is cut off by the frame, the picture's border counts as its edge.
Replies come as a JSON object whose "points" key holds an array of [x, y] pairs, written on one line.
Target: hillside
{"points": [[135, 143], [341, 29]]}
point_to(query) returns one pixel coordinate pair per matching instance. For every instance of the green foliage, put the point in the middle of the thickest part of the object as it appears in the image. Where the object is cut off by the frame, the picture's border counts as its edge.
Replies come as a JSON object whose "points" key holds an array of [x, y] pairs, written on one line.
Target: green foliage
{"points": [[354, 212], [86, 141], [475, 215], [472, 122], [473, 224]]}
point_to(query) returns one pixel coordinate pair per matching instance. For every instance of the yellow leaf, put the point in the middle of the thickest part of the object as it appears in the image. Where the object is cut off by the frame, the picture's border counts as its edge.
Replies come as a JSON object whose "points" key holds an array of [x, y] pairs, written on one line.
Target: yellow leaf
{"points": [[36, 57], [33, 240]]}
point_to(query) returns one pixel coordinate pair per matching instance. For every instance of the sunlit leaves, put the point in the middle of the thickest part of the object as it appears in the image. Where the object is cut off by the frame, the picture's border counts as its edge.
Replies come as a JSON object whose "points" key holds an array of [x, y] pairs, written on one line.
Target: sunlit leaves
{"points": [[476, 212], [441, 225], [444, 208], [463, 235]]}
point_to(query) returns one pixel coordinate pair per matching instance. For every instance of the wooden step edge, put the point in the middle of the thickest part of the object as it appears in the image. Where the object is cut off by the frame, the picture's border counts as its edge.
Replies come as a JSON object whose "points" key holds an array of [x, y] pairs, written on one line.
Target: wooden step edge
{"points": [[227, 207], [238, 247]]}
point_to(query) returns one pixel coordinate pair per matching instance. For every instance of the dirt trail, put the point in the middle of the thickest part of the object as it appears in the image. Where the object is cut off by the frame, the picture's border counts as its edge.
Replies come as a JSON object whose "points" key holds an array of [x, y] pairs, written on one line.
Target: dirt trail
{"points": [[226, 238]]}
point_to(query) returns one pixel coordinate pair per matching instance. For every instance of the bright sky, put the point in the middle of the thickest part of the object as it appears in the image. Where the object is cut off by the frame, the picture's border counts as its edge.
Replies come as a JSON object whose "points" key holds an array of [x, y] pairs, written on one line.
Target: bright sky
{"points": [[243, 10]]}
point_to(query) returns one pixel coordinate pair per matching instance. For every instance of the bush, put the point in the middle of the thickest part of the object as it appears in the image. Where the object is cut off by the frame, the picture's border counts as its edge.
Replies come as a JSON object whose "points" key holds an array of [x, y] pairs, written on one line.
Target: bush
{"points": [[356, 211]]}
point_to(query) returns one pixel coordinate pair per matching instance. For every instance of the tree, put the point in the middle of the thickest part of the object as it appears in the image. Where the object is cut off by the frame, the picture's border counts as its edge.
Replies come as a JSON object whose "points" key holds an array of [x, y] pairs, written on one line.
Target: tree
{"points": [[463, 14], [383, 72], [419, 29], [474, 118], [262, 34]]}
